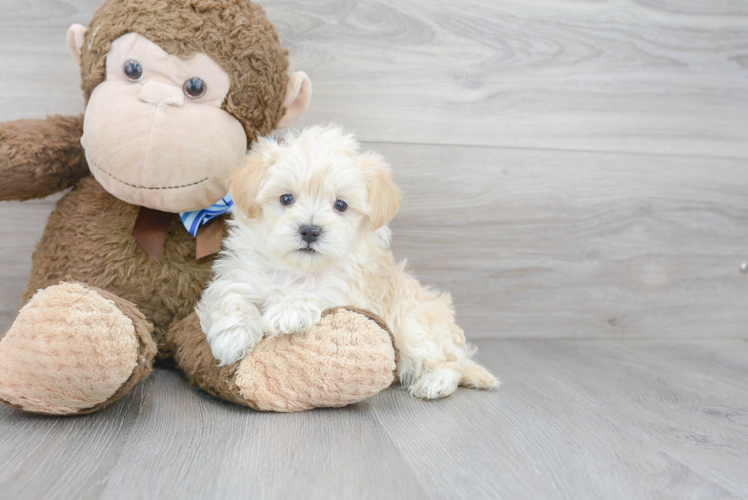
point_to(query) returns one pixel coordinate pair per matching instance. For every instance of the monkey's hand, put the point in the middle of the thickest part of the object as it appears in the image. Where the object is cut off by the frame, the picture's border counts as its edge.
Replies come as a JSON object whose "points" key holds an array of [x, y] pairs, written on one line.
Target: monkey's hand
{"points": [[40, 157]]}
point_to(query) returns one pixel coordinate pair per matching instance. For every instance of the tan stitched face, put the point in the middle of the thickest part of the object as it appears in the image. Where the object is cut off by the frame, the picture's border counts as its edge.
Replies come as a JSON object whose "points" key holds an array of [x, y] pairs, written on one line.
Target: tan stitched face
{"points": [[151, 144]]}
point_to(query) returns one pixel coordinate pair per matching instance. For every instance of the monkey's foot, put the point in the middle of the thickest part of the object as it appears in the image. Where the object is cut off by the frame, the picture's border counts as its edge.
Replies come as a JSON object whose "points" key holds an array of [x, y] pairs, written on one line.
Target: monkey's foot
{"points": [[349, 356], [74, 349]]}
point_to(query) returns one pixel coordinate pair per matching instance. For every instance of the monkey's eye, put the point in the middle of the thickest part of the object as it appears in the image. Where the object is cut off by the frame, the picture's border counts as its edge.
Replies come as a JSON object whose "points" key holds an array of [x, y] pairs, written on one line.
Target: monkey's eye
{"points": [[194, 87], [286, 199], [133, 70], [340, 206]]}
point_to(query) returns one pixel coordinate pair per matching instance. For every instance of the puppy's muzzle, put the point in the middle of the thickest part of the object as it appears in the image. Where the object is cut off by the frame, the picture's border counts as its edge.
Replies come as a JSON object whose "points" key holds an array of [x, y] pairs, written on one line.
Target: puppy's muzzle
{"points": [[310, 234]]}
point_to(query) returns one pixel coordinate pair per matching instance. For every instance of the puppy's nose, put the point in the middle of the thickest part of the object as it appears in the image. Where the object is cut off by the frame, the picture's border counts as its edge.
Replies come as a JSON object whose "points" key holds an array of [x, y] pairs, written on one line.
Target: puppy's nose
{"points": [[310, 233]]}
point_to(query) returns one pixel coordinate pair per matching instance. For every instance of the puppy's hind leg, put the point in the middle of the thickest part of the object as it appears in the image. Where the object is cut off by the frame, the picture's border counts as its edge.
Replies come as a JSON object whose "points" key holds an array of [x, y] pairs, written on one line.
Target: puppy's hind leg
{"points": [[437, 358], [443, 381], [475, 376]]}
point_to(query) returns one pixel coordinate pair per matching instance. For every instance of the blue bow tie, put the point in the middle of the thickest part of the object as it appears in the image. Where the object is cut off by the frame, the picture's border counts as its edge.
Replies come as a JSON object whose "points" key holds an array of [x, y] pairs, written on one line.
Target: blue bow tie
{"points": [[193, 220]]}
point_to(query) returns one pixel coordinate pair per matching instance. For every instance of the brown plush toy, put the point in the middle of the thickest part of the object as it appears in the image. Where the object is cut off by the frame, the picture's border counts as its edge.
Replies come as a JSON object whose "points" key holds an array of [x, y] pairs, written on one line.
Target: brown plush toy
{"points": [[175, 92]]}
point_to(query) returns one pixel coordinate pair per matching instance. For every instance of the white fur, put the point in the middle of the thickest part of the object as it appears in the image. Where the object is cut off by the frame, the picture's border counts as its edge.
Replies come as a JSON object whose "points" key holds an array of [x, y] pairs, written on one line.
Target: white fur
{"points": [[264, 283]]}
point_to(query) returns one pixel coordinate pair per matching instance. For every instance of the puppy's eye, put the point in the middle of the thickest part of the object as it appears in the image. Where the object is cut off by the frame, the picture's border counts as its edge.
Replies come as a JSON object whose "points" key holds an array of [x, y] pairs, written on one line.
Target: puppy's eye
{"points": [[340, 206], [133, 70], [286, 199]]}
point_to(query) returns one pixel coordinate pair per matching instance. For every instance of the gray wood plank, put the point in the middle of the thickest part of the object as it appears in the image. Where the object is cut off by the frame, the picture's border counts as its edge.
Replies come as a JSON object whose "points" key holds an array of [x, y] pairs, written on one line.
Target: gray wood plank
{"points": [[560, 244], [169, 440], [686, 415], [613, 76], [608, 244], [720, 360], [63, 458], [211, 449], [574, 419], [545, 243], [20, 230], [656, 76], [577, 419]]}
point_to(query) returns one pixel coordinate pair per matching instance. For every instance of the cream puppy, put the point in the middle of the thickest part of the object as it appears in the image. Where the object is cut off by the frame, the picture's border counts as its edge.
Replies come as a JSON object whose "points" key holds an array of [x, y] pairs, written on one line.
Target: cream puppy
{"points": [[310, 232]]}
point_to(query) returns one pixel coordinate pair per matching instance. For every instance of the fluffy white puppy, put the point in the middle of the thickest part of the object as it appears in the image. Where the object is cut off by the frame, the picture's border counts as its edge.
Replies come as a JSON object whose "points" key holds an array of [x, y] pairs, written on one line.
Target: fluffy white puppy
{"points": [[309, 233]]}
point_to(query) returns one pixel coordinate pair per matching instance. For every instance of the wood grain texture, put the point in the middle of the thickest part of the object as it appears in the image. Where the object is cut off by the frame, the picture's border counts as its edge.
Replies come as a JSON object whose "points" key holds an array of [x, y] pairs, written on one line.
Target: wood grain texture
{"points": [[613, 76], [546, 243], [21, 227], [211, 449], [168, 440], [609, 244], [61, 458], [577, 244], [655, 76], [580, 419], [574, 419]]}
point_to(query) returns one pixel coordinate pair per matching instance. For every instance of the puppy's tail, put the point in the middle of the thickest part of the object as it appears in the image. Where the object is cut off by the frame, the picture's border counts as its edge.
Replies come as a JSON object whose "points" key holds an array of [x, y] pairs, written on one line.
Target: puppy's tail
{"points": [[475, 376]]}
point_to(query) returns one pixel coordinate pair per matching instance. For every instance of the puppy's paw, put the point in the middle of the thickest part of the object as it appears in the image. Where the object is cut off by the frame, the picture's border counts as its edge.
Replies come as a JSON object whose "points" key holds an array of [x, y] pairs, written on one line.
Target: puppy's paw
{"points": [[290, 317], [475, 376], [436, 384], [232, 343]]}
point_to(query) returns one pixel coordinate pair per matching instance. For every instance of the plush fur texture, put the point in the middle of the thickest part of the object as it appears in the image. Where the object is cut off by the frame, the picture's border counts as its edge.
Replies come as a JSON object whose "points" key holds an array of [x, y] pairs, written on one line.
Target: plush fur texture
{"points": [[348, 357], [71, 331], [40, 157], [251, 54], [88, 239], [271, 280]]}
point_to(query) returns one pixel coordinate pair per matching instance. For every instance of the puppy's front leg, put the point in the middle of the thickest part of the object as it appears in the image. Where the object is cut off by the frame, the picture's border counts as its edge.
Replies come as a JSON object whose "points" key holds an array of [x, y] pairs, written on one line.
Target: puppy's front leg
{"points": [[231, 323], [290, 316]]}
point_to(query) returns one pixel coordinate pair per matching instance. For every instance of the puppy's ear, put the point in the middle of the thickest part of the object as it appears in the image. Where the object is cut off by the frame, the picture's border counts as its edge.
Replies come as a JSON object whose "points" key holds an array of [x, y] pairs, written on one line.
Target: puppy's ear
{"points": [[245, 183], [384, 196]]}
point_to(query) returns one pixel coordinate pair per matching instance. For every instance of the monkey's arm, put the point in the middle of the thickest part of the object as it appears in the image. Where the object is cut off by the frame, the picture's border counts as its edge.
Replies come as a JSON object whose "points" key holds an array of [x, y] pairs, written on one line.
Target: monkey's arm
{"points": [[40, 157]]}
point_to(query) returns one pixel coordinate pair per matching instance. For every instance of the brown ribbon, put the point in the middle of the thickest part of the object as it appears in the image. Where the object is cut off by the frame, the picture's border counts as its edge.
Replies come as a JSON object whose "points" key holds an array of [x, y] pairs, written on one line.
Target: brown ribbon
{"points": [[152, 226], [209, 238], [150, 229]]}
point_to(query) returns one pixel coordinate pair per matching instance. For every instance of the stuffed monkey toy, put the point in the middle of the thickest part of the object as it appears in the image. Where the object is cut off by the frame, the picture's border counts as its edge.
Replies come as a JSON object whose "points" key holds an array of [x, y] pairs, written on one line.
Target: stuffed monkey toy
{"points": [[175, 92]]}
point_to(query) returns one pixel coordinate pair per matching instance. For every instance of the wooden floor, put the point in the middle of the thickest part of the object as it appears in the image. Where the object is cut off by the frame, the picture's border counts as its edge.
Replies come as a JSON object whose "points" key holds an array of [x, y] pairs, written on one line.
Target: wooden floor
{"points": [[575, 173], [574, 419]]}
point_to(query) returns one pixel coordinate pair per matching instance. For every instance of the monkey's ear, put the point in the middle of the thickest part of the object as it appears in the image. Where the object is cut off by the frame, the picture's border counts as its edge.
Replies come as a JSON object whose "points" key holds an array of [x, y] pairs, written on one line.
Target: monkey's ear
{"points": [[245, 184], [383, 196], [76, 36], [298, 95]]}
